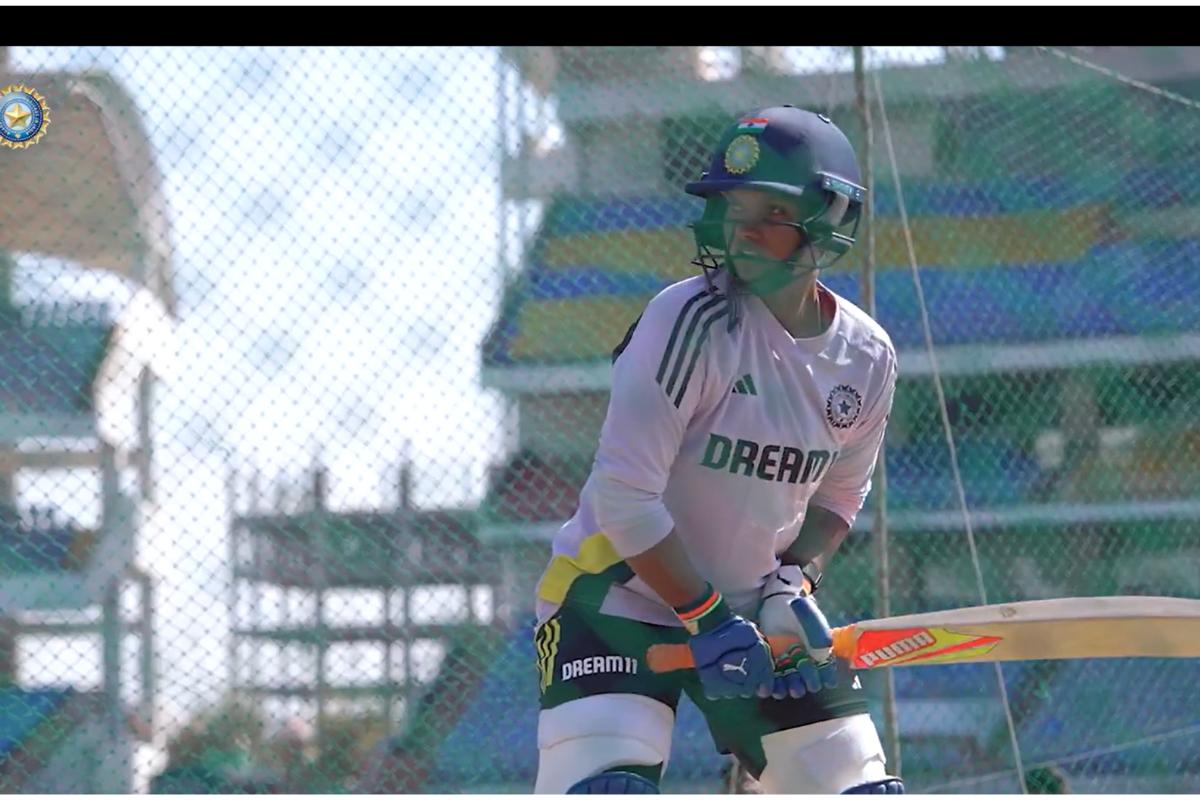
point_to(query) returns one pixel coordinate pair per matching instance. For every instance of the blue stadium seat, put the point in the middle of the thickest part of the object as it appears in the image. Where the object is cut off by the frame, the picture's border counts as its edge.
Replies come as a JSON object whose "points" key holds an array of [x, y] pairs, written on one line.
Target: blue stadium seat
{"points": [[558, 284], [570, 215], [1144, 287], [919, 475], [937, 197], [994, 471], [1141, 724], [49, 368], [500, 721], [956, 681], [1139, 285], [21, 711], [37, 551], [45, 545], [694, 757]]}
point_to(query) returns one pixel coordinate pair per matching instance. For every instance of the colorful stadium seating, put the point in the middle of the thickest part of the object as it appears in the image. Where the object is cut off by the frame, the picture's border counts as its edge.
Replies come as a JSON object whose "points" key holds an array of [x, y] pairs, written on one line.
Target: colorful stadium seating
{"points": [[1074, 719], [1003, 260], [49, 368], [22, 711], [33, 723], [49, 546]]}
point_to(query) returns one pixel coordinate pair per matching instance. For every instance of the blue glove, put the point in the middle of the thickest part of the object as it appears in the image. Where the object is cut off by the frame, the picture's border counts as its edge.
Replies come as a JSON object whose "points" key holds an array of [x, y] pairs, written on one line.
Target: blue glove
{"points": [[806, 667], [733, 660]]}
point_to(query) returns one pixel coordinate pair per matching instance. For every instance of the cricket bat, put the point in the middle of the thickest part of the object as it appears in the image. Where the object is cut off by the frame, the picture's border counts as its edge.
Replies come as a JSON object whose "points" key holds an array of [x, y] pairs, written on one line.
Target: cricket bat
{"points": [[1069, 627]]}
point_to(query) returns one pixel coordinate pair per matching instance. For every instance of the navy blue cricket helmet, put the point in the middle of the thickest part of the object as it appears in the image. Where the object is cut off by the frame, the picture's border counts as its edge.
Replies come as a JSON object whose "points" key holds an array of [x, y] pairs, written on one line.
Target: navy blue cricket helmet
{"points": [[794, 152]]}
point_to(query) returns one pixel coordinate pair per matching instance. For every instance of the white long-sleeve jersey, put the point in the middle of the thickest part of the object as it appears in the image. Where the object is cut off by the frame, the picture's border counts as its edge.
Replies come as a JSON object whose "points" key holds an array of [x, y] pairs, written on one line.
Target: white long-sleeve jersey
{"points": [[726, 435]]}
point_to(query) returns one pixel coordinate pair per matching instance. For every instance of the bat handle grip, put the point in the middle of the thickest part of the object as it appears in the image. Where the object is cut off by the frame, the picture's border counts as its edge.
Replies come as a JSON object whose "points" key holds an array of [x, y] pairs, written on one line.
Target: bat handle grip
{"points": [[671, 657]]}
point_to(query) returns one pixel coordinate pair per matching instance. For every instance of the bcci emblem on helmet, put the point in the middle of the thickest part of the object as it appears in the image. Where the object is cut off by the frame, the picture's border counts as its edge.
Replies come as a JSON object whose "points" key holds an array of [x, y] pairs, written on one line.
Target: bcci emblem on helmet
{"points": [[842, 406], [784, 150], [741, 155]]}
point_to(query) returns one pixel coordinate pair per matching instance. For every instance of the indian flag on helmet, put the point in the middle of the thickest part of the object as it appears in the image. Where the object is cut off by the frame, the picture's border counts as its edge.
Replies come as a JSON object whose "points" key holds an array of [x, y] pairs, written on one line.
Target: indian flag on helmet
{"points": [[752, 124]]}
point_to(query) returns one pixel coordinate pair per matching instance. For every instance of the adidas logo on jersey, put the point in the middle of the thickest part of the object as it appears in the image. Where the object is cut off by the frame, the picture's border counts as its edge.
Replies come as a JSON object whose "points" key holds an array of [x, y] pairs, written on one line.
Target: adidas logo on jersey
{"points": [[745, 385]]}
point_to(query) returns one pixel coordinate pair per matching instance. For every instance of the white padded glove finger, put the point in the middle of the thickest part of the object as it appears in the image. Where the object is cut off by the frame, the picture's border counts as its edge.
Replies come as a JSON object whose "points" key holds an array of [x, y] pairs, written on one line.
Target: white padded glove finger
{"points": [[775, 615]]}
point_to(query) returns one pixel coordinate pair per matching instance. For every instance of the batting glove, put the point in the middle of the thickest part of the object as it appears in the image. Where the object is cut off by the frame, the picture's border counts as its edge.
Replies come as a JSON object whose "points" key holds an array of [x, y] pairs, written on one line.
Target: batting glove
{"points": [[732, 658], [787, 609]]}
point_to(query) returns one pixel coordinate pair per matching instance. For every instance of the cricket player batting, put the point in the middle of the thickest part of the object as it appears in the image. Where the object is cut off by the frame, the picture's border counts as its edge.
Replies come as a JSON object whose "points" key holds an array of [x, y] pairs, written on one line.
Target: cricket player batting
{"points": [[748, 407]]}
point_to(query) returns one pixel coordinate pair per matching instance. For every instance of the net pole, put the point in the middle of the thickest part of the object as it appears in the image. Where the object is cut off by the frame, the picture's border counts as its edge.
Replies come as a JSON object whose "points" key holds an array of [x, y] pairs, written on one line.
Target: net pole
{"points": [[879, 540], [944, 413]]}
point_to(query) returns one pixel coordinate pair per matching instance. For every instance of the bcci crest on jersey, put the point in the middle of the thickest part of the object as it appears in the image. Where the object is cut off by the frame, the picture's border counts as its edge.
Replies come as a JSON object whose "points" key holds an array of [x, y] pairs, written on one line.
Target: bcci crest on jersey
{"points": [[843, 406]]}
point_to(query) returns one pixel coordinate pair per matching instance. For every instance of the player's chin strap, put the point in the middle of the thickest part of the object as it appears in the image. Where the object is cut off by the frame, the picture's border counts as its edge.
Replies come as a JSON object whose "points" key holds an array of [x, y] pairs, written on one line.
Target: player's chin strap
{"points": [[888, 785], [780, 272], [818, 233]]}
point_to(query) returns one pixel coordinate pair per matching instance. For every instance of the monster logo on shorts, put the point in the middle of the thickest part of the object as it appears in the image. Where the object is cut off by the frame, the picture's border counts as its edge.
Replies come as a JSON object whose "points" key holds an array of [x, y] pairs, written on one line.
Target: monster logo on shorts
{"points": [[842, 406], [24, 117], [742, 154], [545, 640]]}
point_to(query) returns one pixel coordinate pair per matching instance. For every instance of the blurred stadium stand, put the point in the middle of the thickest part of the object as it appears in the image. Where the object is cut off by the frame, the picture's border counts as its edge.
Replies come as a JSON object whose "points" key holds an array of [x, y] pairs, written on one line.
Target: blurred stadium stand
{"points": [[75, 394]]}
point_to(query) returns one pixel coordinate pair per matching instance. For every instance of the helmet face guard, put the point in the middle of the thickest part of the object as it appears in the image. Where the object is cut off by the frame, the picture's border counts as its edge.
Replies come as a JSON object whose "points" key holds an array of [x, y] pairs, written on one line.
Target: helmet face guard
{"points": [[800, 155]]}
